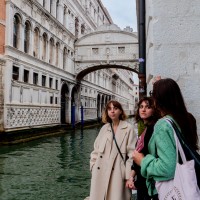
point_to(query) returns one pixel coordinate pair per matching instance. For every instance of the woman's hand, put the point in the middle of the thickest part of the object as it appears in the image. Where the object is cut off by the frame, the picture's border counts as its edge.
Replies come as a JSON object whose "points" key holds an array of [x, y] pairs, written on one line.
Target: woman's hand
{"points": [[137, 157], [130, 183]]}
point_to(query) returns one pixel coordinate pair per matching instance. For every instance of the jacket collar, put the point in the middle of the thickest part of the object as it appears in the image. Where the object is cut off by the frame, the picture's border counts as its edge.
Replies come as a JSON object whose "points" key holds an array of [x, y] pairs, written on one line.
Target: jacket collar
{"points": [[120, 134], [122, 125]]}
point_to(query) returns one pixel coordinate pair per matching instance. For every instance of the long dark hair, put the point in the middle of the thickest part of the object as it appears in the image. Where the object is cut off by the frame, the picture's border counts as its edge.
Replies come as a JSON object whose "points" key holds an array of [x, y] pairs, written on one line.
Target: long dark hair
{"points": [[169, 100], [106, 118], [152, 119]]}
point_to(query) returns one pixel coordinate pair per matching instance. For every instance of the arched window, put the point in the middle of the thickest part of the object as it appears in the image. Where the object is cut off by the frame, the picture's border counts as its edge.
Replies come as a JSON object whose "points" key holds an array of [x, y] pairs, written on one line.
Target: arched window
{"points": [[51, 6], [36, 42], [65, 17], [57, 7], [44, 46], [51, 51], [64, 58], [82, 29], [16, 31], [76, 27], [57, 53], [27, 32]]}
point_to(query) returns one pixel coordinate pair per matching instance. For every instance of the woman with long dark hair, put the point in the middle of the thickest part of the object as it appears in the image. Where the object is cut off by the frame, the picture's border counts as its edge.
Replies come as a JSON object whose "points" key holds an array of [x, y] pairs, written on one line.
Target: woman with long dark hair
{"points": [[159, 164], [148, 115]]}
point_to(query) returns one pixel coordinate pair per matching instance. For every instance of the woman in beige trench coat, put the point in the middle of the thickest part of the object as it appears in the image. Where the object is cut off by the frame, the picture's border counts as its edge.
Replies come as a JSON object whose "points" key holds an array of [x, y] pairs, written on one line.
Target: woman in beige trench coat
{"points": [[109, 172]]}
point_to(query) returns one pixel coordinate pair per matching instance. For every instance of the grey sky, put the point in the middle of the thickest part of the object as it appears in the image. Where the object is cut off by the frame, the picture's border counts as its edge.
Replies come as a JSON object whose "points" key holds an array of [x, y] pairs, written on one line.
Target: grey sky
{"points": [[123, 12]]}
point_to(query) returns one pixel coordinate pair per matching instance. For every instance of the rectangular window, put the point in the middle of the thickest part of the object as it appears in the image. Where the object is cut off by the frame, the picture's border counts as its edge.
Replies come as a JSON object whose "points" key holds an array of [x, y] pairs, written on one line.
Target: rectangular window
{"points": [[56, 100], [26, 76], [15, 74], [35, 78], [50, 82], [43, 80]]}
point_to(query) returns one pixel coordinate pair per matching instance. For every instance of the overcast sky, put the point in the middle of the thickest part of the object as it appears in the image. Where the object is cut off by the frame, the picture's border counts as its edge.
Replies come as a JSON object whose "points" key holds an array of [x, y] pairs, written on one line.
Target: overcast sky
{"points": [[123, 12]]}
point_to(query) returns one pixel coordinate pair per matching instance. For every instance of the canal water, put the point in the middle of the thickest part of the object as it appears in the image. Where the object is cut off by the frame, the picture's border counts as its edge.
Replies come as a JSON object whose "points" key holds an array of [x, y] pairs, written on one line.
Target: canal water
{"points": [[53, 168]]}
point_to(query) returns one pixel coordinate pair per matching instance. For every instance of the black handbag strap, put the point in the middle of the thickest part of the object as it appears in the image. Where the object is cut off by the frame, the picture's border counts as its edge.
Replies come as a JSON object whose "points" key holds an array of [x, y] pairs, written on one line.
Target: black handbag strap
{"points": [[117, 144]]}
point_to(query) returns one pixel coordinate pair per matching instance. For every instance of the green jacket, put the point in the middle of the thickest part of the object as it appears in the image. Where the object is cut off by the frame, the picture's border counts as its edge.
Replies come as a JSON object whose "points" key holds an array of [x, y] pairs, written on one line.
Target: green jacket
{"points": [[160, 163]]}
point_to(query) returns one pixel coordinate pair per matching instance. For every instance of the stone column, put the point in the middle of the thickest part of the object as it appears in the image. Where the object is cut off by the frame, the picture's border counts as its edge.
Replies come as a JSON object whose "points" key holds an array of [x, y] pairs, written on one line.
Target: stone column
{"points": [[8, 78]]}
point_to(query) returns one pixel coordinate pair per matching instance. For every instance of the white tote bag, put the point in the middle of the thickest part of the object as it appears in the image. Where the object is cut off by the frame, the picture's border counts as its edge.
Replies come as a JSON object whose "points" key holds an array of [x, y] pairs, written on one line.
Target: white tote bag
{"points": [[184, 185]]}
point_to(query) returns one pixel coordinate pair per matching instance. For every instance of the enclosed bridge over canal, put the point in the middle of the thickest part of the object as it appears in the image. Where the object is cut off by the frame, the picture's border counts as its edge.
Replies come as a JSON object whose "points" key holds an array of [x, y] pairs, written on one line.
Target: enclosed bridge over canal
{"points": [[108, 47]]}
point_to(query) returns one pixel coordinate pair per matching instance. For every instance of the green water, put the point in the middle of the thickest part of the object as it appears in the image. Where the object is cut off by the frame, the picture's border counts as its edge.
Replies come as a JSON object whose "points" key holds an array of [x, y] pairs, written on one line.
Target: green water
{"points": [[54, 168]]}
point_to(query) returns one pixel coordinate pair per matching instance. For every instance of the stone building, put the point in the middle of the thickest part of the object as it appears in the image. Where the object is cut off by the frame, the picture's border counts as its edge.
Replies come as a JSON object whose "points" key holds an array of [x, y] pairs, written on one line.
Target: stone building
{"points": [[173, 46], [40, 49]]}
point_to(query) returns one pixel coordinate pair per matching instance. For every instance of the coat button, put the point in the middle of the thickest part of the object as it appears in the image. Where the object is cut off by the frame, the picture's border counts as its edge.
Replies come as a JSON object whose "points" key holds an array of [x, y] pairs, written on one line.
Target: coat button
{"points": [[98, 167], [101, 156]]}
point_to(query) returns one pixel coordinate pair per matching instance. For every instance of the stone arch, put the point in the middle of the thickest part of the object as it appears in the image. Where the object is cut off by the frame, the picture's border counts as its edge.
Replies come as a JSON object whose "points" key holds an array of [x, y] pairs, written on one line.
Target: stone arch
{"points": [[64, 103], [36, 42], [44, 46], [74, 105], [57, 53], [93, 68], [27, 36], [17, 27], [65, 58], [51, 50]]}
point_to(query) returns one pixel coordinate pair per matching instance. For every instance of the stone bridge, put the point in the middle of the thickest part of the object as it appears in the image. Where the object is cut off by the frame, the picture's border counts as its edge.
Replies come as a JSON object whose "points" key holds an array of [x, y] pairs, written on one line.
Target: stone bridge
{"points": [[107, 47]]}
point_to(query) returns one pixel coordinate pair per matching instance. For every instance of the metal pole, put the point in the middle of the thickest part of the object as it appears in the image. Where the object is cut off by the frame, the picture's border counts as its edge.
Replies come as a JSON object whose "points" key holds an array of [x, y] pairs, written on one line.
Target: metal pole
{"points": [[82, 116], [73, 116], [142, 49]]}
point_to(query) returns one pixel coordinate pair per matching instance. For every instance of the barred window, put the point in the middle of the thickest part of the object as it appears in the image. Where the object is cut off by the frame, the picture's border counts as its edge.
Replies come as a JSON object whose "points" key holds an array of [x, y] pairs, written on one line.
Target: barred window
{"points": [[43, 80], [26, 76], [15, 74], [121, 50], [95, 51], [35, 78]]}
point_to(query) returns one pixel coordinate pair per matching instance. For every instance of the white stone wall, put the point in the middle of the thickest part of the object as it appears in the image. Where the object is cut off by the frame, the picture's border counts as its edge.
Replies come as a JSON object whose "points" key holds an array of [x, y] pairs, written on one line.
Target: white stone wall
{"points": [[173, 46]]}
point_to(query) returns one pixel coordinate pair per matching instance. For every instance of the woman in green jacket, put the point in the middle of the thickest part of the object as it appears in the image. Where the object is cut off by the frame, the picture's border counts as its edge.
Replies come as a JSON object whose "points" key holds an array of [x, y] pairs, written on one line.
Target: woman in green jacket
{"points": [[159, 164]]}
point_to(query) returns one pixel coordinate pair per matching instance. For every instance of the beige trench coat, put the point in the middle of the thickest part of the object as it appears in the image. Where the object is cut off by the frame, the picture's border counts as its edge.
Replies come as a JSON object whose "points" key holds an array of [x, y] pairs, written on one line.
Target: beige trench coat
{"points": [[108, 170]]}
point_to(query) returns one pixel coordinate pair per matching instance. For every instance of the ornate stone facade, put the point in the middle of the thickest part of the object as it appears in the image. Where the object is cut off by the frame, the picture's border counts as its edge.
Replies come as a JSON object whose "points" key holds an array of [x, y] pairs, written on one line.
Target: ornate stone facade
{"points": [[39, 64]]}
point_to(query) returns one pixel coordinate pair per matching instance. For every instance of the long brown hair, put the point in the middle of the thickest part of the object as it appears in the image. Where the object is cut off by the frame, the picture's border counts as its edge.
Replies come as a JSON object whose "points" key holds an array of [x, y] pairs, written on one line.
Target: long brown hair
{"points": [[169, 100], [106, 118], [152, 119]]}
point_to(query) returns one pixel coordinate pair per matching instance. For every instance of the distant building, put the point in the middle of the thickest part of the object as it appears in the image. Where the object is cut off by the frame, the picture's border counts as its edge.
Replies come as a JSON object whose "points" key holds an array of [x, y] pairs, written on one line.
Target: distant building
{"points": [[128, 29], [39, 63]]}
